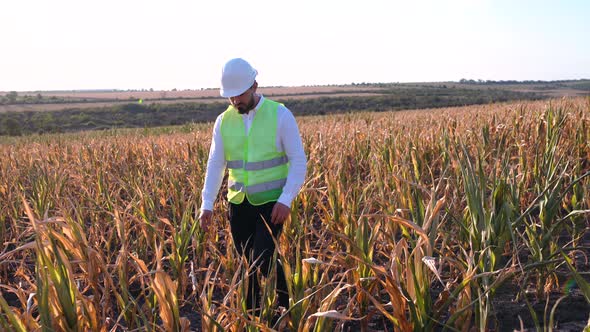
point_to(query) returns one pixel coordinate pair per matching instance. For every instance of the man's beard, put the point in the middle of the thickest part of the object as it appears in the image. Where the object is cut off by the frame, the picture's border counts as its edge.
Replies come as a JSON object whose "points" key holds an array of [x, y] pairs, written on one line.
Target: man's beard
{"points": [[246, 109]]}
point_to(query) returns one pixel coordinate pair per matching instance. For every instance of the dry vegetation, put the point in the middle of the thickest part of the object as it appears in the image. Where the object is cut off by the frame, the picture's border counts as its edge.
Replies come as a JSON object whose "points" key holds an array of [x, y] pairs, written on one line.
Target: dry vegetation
{"points": [[413, 220]]}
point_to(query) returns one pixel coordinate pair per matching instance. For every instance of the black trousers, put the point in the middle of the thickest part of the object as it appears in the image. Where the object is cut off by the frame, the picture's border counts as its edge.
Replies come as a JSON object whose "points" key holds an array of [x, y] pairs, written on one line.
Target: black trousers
{"points": [[253, 240]]}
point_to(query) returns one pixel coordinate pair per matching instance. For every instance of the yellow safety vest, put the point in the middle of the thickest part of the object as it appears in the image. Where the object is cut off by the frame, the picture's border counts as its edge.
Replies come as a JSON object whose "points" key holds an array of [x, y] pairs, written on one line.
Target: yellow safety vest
{"points": [[257, 170]]}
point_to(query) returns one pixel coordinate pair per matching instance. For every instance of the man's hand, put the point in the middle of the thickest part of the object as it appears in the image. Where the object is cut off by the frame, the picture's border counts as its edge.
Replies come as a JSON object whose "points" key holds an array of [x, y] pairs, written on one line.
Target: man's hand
{"points": [[205, 219], [280, 212]]}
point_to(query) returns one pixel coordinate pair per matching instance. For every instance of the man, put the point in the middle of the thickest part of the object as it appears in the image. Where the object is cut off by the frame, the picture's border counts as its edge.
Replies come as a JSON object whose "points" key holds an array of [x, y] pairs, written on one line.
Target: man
{"points": [[258, 140]]}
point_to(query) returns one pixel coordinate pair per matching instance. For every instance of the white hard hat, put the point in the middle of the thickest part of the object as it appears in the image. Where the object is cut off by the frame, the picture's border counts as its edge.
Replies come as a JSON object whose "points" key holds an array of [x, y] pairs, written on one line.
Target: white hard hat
{"points": [[237, 76]]}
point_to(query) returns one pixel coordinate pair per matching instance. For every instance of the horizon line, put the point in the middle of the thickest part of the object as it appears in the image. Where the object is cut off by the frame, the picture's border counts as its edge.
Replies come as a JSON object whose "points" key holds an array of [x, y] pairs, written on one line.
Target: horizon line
{"points": [[461, 81]]}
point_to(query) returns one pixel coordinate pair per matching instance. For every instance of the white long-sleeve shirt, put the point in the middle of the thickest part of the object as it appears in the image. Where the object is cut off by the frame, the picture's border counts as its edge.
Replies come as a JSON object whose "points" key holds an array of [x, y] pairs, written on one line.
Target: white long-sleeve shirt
{"points": [[288, 140]]}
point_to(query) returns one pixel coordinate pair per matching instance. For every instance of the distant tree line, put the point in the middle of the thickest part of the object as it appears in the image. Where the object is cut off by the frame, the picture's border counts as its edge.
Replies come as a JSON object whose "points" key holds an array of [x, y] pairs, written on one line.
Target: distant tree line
{"points": [[14, 98], [407, 98], [133, 115], [526, 82]]}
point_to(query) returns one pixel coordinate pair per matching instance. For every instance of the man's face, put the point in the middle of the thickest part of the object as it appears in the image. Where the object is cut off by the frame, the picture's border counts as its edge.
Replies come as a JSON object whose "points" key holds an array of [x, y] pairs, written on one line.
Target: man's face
{"points": [[244, 102]]}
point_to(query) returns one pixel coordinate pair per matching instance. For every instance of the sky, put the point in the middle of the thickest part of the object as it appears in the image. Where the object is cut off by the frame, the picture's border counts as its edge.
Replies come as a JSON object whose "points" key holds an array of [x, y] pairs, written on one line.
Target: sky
{"points": [[182, 44]]}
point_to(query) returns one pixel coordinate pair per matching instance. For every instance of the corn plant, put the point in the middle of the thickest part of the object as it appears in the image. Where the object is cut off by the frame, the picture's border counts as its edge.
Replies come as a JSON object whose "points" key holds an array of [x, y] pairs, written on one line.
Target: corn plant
{"points": [[407, 220]]}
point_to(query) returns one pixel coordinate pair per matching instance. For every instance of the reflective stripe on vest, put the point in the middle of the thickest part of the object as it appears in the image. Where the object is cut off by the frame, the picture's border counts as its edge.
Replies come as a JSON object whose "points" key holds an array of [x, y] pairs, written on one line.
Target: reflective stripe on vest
{"points": [[258, 165], [257, 188]]}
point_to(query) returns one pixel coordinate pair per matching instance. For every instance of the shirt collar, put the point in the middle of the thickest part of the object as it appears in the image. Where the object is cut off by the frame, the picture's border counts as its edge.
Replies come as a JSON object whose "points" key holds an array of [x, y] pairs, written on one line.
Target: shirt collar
{"points": [[253, 111], [259, 103]]}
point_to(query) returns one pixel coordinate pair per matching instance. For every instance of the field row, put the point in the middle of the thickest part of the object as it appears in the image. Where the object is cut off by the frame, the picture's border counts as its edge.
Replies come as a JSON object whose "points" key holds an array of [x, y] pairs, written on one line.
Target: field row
{"points": [[451, 218]]}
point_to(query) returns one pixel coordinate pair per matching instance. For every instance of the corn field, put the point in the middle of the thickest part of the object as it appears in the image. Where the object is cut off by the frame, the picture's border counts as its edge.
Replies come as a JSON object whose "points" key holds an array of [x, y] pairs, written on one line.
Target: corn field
{"points": [[407, 221]]}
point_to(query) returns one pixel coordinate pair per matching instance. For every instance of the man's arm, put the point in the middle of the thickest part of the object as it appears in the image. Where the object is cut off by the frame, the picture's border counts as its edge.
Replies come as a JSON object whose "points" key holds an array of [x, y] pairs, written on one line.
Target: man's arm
{"points": [[290, 140], [214, 175]]}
